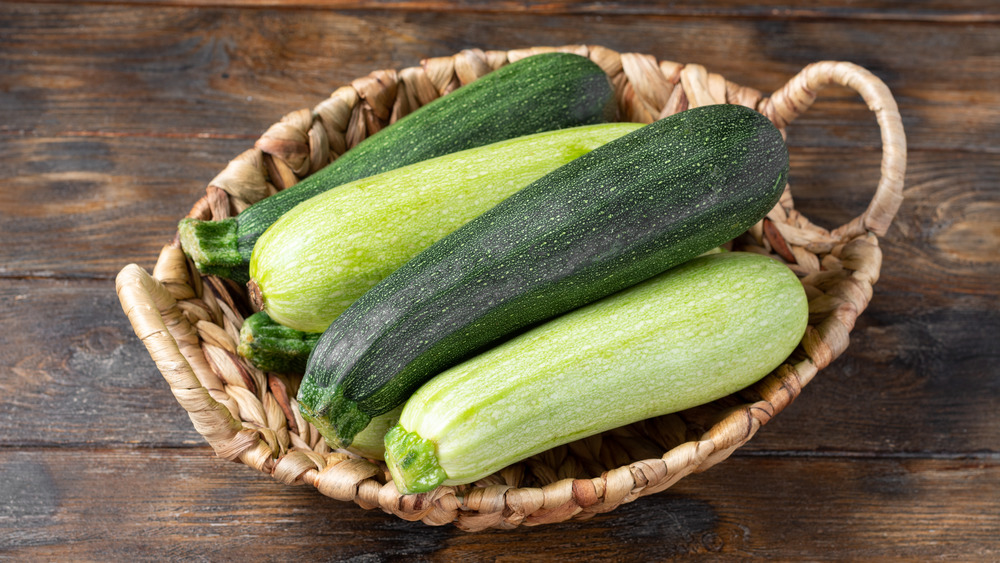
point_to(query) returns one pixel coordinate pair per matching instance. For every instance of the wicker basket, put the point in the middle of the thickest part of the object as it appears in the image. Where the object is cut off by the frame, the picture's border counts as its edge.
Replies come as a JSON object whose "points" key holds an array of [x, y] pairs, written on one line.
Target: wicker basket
{"points": [[190, 323]]}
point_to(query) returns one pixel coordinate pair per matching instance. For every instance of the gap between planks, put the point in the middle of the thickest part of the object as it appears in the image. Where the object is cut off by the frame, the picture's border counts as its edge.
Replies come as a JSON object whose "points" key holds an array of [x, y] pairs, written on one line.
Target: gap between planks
{"points": [[738, 10]]}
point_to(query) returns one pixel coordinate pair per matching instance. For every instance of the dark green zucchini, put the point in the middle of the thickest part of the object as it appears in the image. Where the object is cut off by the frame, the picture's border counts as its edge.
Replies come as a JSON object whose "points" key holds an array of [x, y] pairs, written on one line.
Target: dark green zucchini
{"points": [[538, 93], [274, 347], [612, 218]]}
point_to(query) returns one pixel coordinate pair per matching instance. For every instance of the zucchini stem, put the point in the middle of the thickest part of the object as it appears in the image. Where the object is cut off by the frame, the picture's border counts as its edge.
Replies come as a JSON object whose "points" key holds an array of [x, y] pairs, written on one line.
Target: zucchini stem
{"points": [[213, 246], [412, 461], [339, 431], [272, 347]]}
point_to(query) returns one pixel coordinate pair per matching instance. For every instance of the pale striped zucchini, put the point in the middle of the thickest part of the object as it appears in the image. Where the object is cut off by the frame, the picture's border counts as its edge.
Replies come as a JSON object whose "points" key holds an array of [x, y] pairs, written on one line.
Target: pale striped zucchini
{"points": [[689, 336], [329, 250]]}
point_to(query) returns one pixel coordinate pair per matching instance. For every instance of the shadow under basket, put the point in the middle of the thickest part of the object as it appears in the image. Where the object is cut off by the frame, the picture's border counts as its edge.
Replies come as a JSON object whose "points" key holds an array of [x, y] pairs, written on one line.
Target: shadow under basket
{"points": [[190, 323]]}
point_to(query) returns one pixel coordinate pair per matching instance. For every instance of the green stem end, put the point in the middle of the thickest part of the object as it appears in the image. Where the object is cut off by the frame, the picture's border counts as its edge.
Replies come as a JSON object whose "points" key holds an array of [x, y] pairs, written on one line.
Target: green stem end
{"points": [[412, 462], [337, 418], [214, 248], [272, 347]]}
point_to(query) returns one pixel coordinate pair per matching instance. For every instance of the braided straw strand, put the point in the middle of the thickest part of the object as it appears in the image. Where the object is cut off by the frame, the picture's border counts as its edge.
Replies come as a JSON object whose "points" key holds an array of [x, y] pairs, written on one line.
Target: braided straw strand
{"points": [[190, 323], [800, 92]]}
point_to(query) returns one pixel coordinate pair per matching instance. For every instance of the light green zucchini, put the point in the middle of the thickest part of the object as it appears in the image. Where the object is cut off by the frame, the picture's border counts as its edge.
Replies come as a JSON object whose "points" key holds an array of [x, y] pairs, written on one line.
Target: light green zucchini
{"points": [[329, 250], [693, 334], [370, 442]]}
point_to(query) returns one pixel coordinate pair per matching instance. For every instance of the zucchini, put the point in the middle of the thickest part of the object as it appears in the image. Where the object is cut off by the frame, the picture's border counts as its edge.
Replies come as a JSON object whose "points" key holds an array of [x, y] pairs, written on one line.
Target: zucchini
{"points": [[370, 442], [694, 334], [273, 347], [328, 251], [538, 93], [620, 214]]}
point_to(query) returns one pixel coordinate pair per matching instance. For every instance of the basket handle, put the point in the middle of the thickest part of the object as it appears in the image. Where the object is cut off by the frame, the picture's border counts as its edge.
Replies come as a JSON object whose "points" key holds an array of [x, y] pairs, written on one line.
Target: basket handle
{"points": [[152, 312], [793, 99]]}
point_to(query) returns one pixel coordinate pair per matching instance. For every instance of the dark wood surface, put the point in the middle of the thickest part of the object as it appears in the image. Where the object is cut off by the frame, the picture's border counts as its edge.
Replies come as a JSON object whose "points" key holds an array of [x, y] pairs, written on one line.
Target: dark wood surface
{"points": [[116, 115]]}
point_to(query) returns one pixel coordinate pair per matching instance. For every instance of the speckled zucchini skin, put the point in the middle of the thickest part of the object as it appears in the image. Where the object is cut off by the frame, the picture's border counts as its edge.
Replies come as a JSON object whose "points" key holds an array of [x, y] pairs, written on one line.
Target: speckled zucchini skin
{"points": [[543, 92], [327, 252], [698, 332], [612, 218]]}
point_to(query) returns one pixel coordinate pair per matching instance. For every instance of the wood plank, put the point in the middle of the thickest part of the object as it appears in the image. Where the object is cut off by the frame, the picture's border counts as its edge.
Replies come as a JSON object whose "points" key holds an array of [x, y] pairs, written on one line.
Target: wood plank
{"points": [[116, 114], [75, 373], [917, 379], [939, 253], [103, 202], [967, 11], [95, 505], [85, 206], [219, 71], [909, 383]]}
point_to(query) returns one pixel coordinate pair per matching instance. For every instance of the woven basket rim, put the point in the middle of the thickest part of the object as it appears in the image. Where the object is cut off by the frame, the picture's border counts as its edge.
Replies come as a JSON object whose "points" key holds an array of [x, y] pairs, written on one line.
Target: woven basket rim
{"points": [[187, 321]]}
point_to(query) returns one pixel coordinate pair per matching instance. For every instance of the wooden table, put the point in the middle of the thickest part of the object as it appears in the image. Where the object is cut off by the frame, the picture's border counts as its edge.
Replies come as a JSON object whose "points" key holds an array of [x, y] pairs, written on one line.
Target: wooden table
{"points": [[116, 115]]}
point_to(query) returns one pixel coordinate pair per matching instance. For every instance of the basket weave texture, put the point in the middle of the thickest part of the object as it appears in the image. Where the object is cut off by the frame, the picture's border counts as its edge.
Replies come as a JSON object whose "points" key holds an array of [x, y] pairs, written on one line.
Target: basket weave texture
{"points": [[190, 323]]}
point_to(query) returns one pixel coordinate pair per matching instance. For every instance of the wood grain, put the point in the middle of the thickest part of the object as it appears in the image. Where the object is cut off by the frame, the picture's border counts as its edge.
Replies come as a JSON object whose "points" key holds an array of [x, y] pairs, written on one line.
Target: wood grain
{"points": [[75, 333], [181, 504], [74, 350], [85, 206], [218, 71], [968, 11], [117, 114], [74, 372]]}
